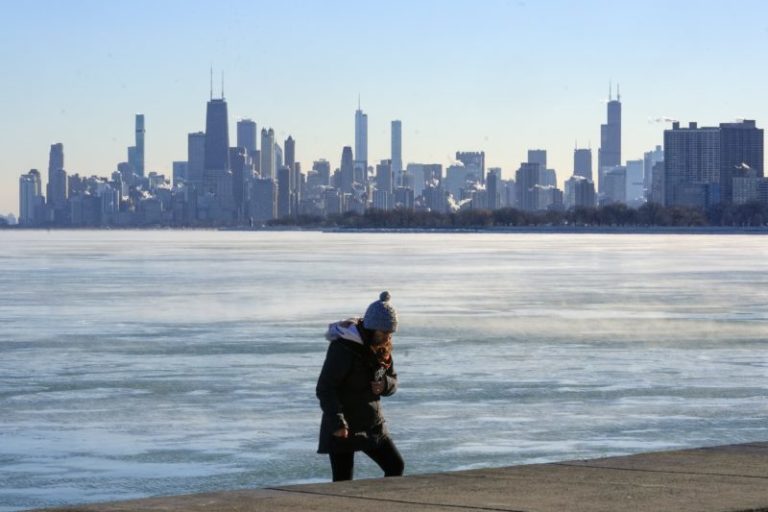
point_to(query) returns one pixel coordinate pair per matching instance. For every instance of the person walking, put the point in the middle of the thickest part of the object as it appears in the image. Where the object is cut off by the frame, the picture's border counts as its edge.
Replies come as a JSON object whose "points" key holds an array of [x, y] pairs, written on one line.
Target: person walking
{"points": [[358, 371]]}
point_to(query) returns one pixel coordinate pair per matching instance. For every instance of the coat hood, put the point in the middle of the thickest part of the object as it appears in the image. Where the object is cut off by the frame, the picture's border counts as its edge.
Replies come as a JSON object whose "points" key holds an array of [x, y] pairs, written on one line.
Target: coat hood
{"points": [[344, 330]]}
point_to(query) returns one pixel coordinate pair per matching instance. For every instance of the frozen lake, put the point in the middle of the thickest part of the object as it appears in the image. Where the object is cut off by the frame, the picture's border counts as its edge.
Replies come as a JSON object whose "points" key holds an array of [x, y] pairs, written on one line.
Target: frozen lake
{"points": [[144, 363]]}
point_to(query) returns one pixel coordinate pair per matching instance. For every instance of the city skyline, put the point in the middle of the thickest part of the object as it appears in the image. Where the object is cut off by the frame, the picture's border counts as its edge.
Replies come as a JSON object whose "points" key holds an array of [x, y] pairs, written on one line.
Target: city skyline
{"points": [[450, 94]]}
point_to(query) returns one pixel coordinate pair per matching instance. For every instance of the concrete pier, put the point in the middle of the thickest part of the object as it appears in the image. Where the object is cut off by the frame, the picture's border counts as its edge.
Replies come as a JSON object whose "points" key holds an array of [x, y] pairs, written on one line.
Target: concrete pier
{"points": [[718, 479]]}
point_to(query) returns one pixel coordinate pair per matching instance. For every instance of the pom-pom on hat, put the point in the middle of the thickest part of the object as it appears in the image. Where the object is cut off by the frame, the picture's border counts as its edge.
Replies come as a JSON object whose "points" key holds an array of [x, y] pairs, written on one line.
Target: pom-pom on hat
{"points": [[381, 315]]}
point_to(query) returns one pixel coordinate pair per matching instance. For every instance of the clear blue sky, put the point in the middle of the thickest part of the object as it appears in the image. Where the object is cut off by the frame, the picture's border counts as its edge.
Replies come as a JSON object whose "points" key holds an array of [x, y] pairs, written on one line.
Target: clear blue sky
{"points": [[498, 76]]}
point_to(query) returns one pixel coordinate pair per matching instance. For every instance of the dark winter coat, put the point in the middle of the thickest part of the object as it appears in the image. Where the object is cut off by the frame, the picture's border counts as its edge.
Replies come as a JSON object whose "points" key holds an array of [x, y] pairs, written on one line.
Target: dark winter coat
{"points": [[346, 398]]}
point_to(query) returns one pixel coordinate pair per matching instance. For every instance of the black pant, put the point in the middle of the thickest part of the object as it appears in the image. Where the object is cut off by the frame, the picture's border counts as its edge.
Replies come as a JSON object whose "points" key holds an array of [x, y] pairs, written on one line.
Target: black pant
{"points": [[385, 455]]}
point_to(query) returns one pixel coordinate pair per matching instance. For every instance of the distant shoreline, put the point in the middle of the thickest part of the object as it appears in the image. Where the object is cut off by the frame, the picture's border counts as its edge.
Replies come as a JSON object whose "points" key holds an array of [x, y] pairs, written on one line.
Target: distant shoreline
{"points": [[567, 230]]}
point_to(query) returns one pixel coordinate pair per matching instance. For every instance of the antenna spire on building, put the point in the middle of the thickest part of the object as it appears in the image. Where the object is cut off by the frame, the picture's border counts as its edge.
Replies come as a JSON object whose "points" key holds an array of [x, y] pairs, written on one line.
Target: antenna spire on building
{"points": [[222, 85], [211, 82], [610, 90], [618, 92], [358, 101]]}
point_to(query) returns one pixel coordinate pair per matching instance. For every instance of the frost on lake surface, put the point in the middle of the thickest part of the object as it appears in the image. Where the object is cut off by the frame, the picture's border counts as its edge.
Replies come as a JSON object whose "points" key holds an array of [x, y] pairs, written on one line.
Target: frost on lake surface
{"points": [[152, 363]]}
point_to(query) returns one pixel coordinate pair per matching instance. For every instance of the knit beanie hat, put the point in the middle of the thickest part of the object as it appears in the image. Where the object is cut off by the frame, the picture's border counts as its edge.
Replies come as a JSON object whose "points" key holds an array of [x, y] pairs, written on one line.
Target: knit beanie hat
{"points": [[381, 315]]}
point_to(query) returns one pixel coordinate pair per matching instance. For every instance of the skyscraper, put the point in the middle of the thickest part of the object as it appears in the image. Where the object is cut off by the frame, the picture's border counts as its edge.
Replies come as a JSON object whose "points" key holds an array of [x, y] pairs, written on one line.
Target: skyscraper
{"points": [[615, 185], [384, 178], [347, 170], [397, 148], [323, 169], [526, 180], [195, 158], [242, 175], [264, 199], [285, 191], [55, 162], [57, 178], [136, 152], [538, 156], [216, 136], [179, 172], [582, 163], [290, 152], [635, 189], [579, 192], [139, 164], [609, 154], [279, 160], [361, 140], [741, 144], [650, 159], [691, 165], [493, 188], [246, 135], [268, 168], [699, 163], [474, 161], [30, 198]]}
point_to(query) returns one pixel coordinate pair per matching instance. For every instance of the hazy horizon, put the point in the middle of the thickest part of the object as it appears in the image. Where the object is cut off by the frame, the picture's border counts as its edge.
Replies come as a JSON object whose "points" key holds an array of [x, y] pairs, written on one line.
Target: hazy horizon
{"points": [[499, 77]]}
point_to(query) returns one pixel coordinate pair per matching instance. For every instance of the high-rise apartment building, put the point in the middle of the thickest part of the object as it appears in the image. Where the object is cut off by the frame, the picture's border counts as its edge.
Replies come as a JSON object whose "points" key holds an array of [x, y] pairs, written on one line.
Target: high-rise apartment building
{"points": [[699, 163], [741, 144], [691, 165]]}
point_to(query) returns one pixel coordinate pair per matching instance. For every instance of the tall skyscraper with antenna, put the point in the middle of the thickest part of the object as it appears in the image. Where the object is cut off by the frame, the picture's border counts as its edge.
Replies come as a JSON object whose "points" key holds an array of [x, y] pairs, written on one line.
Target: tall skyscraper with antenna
{"points": [[216, 133], [609, 154]]}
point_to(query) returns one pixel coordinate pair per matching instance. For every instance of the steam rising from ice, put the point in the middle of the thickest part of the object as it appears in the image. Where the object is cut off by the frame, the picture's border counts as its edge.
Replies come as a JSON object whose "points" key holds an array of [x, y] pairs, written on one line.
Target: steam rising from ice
{"points": [[145, 363]]}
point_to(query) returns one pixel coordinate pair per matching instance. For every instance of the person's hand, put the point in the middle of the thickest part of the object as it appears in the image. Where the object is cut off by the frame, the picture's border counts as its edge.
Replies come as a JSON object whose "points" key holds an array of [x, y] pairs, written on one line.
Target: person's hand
{"points": [[342, 433], [377, 387]]}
